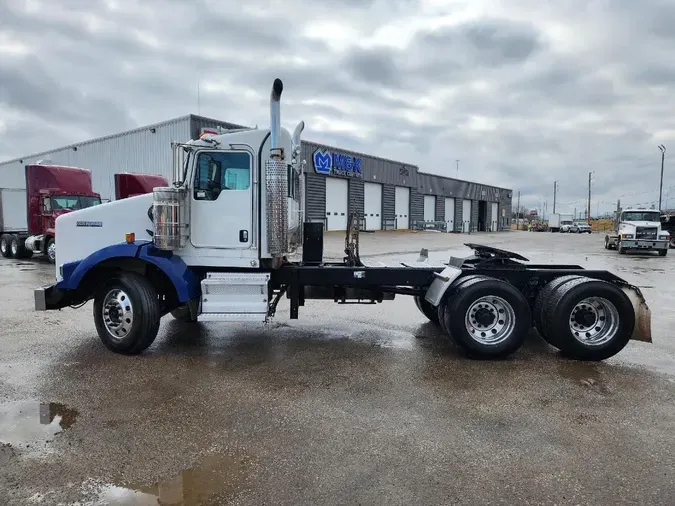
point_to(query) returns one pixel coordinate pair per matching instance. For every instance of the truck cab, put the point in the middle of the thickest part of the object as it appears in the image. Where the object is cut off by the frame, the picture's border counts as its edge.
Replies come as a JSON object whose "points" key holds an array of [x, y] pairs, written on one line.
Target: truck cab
{"points": [[638, 230], [51, 191]]}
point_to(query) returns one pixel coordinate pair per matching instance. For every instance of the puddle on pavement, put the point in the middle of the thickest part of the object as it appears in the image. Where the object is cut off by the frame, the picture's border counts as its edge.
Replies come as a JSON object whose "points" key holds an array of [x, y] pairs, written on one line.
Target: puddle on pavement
{"points": [[215, 480], [26, 423]]}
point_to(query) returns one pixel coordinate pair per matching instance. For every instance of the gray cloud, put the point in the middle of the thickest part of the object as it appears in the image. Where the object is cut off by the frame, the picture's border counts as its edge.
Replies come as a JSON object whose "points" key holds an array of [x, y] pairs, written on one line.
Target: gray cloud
{"points": [[588, 86]]}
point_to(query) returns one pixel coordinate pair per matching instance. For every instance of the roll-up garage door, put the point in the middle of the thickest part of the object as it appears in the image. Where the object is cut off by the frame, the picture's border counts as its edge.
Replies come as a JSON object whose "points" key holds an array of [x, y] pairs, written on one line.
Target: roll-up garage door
{"points": [[372, 205], [429, 208], [337, 203], [494, 218], [450, 214], [402, 207], [466, 215]]}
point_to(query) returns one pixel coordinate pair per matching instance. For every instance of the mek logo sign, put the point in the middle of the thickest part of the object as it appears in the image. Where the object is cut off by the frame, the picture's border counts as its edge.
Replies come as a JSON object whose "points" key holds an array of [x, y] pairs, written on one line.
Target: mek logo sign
{"points": [[329, 163]]}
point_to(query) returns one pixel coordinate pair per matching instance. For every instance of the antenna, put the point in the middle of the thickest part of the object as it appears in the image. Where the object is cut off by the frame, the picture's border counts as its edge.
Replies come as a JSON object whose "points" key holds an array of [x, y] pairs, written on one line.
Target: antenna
{"points": [[199, 109]]}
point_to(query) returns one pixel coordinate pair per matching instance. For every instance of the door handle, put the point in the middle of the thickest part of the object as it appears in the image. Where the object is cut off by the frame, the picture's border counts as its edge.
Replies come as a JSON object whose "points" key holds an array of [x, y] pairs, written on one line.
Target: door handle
{"points": [[243, 236]]}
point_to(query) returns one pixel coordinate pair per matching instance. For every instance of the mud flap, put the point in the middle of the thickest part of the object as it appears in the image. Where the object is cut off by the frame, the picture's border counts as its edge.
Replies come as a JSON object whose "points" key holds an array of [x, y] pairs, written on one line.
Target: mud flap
{"points": [[643, 315]]}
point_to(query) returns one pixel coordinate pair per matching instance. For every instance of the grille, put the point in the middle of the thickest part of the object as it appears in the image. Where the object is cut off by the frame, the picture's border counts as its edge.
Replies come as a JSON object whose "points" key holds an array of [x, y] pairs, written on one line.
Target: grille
{"points": [[645, 233]]}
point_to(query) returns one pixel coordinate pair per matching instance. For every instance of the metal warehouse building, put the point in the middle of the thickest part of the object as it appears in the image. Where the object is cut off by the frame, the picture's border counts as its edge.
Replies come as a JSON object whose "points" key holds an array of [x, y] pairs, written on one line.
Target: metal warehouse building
{"points": [[388, 194]]}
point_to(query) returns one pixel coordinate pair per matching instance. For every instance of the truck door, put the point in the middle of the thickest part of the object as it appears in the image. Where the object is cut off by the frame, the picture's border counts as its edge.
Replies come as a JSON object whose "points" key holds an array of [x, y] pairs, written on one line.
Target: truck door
{"points": [[221, 205]]}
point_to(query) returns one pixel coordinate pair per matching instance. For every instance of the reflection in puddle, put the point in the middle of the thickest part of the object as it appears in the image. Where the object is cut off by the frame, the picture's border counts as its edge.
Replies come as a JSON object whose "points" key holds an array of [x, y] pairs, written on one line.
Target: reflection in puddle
{"points": [[217, 479], [26, 422]]}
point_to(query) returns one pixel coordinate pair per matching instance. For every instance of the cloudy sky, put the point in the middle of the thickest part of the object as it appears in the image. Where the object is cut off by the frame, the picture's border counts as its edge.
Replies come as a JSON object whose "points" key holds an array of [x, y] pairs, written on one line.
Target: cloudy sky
{"points": [[522, 92]]}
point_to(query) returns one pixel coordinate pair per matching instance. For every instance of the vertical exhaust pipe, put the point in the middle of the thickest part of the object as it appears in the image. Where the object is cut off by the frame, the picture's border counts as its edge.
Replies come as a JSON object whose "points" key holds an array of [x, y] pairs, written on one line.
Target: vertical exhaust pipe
{"points": [[276, 178], [275, 119]]}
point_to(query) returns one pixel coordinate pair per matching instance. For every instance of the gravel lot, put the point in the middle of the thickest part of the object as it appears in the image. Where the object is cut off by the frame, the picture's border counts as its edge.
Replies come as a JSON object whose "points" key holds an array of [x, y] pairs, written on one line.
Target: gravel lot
{"points": [[347, 405]]}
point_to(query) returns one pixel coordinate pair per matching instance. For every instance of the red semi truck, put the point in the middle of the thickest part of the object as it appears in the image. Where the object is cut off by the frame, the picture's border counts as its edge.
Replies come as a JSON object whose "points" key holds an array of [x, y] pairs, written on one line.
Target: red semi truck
{"points": [[27, 215], [128, 184]]}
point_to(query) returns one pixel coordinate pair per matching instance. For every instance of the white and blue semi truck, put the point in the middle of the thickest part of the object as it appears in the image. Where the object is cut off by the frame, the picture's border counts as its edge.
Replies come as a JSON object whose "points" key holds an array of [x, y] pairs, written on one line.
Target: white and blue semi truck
{"points": [[227, 240]]}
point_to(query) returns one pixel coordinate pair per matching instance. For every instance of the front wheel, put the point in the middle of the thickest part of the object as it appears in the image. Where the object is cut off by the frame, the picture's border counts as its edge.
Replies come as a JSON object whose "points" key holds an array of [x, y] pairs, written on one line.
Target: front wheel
{"points": [[127, 313], [488, 318], [51, 250]]}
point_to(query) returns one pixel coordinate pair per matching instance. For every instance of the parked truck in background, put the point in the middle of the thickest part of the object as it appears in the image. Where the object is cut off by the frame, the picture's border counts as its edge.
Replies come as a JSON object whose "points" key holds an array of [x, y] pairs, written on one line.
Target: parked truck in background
{"points": [[28, 215], [668, 224], [129, 184], [638, 230], [557, 221]]}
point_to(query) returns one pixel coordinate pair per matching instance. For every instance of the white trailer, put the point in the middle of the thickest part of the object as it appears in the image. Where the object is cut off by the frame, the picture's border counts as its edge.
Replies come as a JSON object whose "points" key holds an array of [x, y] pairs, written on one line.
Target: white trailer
{"points": [[558, 222]]}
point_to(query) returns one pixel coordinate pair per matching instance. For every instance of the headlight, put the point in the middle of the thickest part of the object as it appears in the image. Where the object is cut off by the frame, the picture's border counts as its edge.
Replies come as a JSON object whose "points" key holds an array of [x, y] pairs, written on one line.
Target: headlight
{"points": [[626, 236]]}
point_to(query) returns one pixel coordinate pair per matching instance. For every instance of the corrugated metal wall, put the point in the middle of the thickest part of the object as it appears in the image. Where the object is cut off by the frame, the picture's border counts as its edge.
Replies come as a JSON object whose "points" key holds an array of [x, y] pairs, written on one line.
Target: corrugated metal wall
{"points": [[356, 197], [388, 202], [315, 197], [140, 150], [440, 208], [416, 205]]}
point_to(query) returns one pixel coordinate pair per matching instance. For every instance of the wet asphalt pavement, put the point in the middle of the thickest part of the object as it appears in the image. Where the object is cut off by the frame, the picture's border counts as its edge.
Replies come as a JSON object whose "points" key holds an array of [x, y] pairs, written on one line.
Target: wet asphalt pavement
{"points": [[347, 405]]}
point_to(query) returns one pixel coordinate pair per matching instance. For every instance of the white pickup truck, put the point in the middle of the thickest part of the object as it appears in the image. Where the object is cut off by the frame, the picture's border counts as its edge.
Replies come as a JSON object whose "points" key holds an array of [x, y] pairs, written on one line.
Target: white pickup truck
{"points": [[638, 229]]}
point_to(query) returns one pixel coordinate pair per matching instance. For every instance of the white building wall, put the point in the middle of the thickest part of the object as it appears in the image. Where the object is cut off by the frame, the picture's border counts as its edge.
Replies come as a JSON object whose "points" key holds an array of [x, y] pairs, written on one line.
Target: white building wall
{"points": [[138, 150]]}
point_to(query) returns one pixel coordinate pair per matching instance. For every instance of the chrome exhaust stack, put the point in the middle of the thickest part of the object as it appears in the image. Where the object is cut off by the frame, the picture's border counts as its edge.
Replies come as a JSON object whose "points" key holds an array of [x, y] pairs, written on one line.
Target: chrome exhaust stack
{"points": [[276, 179]]}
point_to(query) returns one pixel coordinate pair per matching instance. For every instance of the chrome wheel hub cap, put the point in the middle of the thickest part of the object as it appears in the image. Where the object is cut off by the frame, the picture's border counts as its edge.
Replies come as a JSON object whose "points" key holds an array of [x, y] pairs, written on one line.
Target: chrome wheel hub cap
{"points": [[594, 321], [490, 320], [51, 251], [118, 314]]}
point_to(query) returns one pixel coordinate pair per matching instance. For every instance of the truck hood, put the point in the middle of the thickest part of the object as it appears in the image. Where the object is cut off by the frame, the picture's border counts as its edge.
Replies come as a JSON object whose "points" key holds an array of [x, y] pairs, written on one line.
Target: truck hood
{"points": [[634, 224], [80, 233]]}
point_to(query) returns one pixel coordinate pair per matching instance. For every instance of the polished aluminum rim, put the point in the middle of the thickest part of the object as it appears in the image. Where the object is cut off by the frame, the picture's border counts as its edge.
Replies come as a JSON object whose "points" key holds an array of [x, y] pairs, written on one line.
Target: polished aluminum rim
{"points": [[15, 248], [594, 321], [3, 245], [490, 320], [118, 314], [51, 251]]}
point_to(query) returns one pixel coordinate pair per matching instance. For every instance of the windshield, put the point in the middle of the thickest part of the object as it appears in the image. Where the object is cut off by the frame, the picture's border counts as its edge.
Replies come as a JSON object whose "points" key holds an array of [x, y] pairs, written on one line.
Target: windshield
{"points": [[73, 202], [565, 222], [641, 216]]}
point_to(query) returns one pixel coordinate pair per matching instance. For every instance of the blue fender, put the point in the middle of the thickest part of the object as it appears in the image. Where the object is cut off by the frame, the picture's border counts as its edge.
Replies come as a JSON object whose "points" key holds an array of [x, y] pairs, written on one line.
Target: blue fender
{"points": [[183, 279]]}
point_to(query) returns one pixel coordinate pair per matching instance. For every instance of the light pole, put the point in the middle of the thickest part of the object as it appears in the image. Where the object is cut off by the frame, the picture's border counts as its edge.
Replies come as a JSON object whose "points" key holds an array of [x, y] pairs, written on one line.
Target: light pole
{"points": [[663, 158]]}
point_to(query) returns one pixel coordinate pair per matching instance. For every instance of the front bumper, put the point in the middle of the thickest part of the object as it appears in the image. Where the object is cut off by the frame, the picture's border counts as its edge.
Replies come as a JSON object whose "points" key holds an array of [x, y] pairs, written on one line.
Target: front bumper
{"points": [[647, 244], [50, 297]]}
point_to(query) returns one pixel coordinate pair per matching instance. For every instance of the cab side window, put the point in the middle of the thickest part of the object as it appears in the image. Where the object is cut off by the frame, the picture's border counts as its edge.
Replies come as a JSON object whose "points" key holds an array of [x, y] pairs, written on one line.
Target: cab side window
{"points": [[219, 172]]}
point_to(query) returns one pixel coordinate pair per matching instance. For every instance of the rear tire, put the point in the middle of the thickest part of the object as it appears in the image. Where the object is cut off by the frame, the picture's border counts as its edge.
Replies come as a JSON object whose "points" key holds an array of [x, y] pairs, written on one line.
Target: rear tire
{"points": [[442, 309], [17, 248], [5, 241], [589, 319], [543, 301], [663, 252], [127, 313], [488, 318]]}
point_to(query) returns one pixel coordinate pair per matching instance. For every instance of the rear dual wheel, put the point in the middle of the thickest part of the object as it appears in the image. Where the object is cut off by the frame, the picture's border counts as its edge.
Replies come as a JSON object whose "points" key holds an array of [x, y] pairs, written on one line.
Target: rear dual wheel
{"points": [[486, 317], [586, 319]]}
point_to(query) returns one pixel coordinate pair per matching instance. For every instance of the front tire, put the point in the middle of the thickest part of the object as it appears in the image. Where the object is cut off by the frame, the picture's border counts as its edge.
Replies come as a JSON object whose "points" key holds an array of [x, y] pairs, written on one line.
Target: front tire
{"points": [[50, 250], [588, 319], [127, 313], [488, 318]]}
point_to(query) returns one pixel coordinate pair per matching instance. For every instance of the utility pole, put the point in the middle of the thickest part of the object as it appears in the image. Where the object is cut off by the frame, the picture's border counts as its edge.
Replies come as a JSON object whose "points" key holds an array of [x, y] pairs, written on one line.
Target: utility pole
{"points": [[555, 189], [575, 213], [518, 210], [663, 158], [457, 168], [588, 209]]}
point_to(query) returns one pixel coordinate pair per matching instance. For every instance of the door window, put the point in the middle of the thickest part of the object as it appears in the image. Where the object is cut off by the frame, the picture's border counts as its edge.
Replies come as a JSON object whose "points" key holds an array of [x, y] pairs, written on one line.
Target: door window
{"points": [[221, 171]]}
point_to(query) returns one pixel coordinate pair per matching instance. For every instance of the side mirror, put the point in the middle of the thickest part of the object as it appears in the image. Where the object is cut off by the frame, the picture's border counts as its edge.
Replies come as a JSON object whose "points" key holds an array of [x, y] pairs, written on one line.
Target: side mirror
{"points": [[46, 205]]}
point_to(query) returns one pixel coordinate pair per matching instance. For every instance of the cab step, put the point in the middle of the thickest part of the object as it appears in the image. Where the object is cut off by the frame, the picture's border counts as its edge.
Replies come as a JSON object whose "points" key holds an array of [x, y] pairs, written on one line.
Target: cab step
{"points": [[234, 297]]}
